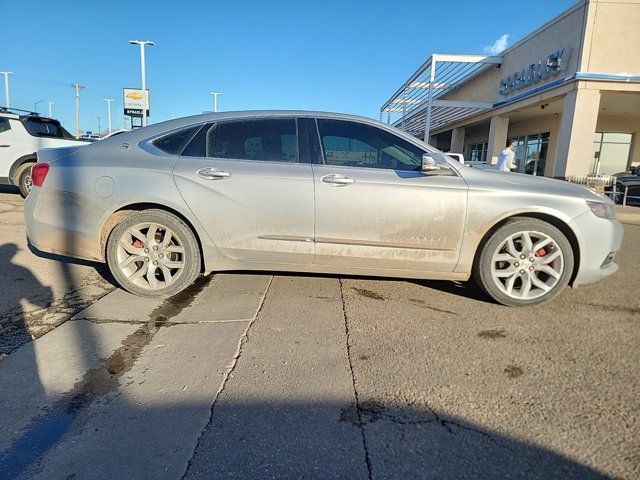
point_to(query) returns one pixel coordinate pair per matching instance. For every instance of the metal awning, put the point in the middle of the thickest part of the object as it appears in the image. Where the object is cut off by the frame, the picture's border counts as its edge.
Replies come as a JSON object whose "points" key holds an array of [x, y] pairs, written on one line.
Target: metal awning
{"points": [[421, 100]]}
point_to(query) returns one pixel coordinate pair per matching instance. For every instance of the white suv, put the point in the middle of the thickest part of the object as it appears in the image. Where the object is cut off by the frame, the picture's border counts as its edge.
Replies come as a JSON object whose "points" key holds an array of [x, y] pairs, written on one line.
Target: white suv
{"points": [[21, 136]]}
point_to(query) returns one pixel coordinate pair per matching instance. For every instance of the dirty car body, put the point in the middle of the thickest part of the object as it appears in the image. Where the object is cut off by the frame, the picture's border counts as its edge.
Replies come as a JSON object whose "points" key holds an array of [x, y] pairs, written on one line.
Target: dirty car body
{"points": [[308, 192]]}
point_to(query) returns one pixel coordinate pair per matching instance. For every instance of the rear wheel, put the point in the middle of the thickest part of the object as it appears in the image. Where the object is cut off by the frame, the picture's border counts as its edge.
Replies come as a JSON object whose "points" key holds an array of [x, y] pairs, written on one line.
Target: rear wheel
{"points": [[23, 178], [524, 262], [153, 253]]}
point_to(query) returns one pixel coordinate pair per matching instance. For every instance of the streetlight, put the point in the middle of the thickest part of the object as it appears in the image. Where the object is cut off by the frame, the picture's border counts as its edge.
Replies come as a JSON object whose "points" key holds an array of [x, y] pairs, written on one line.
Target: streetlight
{"points": [[51, 109], [98, 125], [142, 44], [108, 100], [6, 87], [35, 105], [215, 100]]}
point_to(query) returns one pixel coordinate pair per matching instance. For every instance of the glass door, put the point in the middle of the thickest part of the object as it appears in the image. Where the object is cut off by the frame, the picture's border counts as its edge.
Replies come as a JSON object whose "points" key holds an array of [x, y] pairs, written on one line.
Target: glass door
{"points": [[611, 153], [531, 153]]}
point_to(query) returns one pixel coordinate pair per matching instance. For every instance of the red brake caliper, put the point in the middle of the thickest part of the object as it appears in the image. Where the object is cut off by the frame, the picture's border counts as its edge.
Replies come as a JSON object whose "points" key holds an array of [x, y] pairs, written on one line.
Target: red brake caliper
{"points": [[541, 253], [137, 243]]}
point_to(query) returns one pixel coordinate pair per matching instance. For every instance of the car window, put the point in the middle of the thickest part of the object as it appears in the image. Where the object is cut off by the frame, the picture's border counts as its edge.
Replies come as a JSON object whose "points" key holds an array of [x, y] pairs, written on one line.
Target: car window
{"points": [[352, 144], [175, 141], [45, 127], [4, 125], [269, 139]]}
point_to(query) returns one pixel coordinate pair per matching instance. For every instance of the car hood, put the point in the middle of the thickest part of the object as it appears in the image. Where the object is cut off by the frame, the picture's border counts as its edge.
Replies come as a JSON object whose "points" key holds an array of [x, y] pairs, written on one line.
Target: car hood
{"points": [[519, 182]]}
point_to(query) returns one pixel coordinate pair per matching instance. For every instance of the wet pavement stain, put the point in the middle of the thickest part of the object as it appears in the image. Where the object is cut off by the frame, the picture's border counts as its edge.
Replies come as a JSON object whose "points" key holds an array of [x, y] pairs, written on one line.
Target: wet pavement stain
{"points": [[21, 459], [174, 305], [513, 371], [614, 308], [369, 411], [363, 292], [424, 304], [492, 334]]}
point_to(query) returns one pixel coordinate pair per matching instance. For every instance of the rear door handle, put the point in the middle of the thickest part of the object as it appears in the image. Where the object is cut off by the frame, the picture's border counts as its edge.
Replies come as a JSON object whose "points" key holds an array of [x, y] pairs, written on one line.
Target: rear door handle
{"points": [[210, 173], [337, 180]]}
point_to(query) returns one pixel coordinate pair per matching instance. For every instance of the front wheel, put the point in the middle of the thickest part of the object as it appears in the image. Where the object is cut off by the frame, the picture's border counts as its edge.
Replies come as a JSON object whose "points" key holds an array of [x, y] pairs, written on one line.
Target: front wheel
{"points": [[153, 253], [524, 262]]}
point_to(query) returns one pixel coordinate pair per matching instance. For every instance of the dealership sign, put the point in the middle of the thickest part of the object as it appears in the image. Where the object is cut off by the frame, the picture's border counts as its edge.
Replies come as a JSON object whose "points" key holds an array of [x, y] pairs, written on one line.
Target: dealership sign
{"points": [[547, 67], [134, 101]]}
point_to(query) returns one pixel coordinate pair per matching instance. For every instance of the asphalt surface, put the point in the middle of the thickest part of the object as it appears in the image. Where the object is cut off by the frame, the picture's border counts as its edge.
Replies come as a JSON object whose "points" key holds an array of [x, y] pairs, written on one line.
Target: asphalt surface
{"points": [[299, 376]]}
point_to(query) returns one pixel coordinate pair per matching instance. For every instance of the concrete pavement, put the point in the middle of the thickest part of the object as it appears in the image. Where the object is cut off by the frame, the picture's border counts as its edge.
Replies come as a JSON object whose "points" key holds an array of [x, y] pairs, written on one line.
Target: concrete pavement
{"points": [[38, 293], [299, 376]]}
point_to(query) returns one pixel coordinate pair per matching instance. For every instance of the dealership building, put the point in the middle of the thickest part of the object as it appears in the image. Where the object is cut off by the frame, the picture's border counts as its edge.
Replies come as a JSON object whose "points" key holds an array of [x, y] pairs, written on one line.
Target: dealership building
{"points": [[568, 94]]}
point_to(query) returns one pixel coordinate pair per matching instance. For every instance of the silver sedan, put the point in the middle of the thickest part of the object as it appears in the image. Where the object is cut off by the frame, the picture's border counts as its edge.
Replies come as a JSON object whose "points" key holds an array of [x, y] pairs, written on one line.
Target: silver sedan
{"points": [[312, 192]]}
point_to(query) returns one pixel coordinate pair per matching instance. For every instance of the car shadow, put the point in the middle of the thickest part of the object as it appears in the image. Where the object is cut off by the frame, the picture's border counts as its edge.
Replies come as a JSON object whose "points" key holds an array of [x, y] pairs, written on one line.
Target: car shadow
{"points": [[101, 268], [9, 189], [468, 289]]}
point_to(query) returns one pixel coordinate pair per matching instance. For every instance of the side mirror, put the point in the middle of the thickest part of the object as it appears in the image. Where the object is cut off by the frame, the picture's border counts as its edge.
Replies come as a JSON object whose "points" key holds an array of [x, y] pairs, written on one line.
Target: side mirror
{"points": [[429, 164]]}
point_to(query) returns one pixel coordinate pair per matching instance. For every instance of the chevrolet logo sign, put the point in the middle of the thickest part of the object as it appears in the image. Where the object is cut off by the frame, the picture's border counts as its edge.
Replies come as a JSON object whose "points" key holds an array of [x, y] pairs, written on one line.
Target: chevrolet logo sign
{"points": [[134, 96]]}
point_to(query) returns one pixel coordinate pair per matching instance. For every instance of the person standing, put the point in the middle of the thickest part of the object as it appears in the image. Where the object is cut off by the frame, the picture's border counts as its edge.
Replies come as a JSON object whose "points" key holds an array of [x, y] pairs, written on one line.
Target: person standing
{"points": [[507, 157]]}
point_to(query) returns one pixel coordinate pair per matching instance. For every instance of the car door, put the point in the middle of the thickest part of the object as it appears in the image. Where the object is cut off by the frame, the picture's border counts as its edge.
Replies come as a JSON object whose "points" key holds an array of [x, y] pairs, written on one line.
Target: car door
{"points": [[245, 182], [8, 153], [374, 206]]}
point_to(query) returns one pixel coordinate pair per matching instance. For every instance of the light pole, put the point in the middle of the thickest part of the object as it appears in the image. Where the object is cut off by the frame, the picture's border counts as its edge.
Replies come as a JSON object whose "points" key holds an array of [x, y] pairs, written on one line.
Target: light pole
{"points": [[98, 125], [6, 87], [142, 44], [35, 105], [215, 100], [108, 100], [78, 87], [51, 109]]}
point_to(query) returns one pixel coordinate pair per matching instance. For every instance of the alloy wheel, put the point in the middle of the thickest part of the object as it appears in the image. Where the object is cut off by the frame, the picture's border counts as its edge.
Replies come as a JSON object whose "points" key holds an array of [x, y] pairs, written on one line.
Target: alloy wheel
{"points": [[150, 255], [527, 265]]}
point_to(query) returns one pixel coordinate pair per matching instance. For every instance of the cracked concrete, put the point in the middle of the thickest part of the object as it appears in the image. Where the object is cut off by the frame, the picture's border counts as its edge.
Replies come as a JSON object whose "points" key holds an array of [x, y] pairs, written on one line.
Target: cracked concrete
{"points": [[38, 293], [298, 376]]}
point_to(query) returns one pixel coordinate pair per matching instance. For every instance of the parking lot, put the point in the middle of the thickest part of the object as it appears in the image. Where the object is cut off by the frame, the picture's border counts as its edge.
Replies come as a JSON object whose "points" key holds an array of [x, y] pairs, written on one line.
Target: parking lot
{"points": [[299, 376]]}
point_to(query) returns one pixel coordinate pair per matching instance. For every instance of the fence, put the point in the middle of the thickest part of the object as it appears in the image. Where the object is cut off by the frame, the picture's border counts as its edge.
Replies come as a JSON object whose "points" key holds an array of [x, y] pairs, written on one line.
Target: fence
{"points": [[600, 182]]}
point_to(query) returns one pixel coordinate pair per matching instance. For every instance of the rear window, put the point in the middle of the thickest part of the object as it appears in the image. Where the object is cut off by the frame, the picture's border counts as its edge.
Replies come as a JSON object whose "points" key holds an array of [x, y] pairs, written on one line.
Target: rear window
{"points": [[45, 127], [4, 125], [269, 139], [175, 142]]}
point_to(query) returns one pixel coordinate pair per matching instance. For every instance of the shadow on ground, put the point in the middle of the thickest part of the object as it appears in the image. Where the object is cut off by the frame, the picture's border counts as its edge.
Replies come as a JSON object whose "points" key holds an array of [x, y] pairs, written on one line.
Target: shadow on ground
{"points": [[271, 439], [18, 287]]}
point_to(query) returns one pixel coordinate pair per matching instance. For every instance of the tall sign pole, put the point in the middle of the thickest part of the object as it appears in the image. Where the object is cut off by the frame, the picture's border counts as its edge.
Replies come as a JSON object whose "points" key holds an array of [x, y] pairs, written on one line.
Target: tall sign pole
{"points": [[142, 44]]}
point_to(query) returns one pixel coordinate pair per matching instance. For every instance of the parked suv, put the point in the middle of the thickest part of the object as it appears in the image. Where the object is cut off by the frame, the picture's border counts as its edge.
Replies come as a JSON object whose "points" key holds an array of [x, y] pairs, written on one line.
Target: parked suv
{"points": [[21, 136]]}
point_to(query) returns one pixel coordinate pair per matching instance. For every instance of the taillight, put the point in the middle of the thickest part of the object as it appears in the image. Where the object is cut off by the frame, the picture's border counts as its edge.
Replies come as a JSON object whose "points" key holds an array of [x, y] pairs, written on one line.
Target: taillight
{"points": [[39, 173]]}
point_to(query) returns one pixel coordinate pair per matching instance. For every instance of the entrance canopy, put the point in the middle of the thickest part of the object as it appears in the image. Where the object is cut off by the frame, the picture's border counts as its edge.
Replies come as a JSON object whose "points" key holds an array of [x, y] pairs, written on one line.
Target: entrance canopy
{"points": [[421, 100]]}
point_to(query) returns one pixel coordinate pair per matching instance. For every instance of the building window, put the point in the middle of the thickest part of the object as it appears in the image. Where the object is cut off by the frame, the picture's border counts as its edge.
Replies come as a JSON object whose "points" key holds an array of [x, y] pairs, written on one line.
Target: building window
{"points": [[478, 152], [611, 152], [531, 153]]}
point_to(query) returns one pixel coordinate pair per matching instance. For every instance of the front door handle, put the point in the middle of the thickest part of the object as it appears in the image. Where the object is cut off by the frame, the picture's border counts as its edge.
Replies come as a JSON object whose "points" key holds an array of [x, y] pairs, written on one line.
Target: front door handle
{"points": [[5, 145], [210, 173], [337, 180]]}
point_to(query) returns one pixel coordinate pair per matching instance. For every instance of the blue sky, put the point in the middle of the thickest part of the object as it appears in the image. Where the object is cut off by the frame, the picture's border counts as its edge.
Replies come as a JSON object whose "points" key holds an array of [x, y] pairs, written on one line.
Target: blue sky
{"points": [[346, 56]]}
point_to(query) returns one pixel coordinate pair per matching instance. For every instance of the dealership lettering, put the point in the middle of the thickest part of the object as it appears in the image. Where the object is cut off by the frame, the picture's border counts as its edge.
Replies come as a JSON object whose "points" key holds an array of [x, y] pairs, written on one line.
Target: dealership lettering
{"points": [[545, 68]]}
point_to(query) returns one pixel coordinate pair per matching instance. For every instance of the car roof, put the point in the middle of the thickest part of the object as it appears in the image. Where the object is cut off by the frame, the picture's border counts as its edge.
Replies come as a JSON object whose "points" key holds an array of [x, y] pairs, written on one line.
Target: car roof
{"points": [[175, 124]]}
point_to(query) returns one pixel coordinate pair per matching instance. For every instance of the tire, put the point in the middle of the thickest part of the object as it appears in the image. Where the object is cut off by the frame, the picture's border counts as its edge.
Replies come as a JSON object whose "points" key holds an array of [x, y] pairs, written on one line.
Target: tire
{"points": [[140, 240], [502, 273], [23, 177]]}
